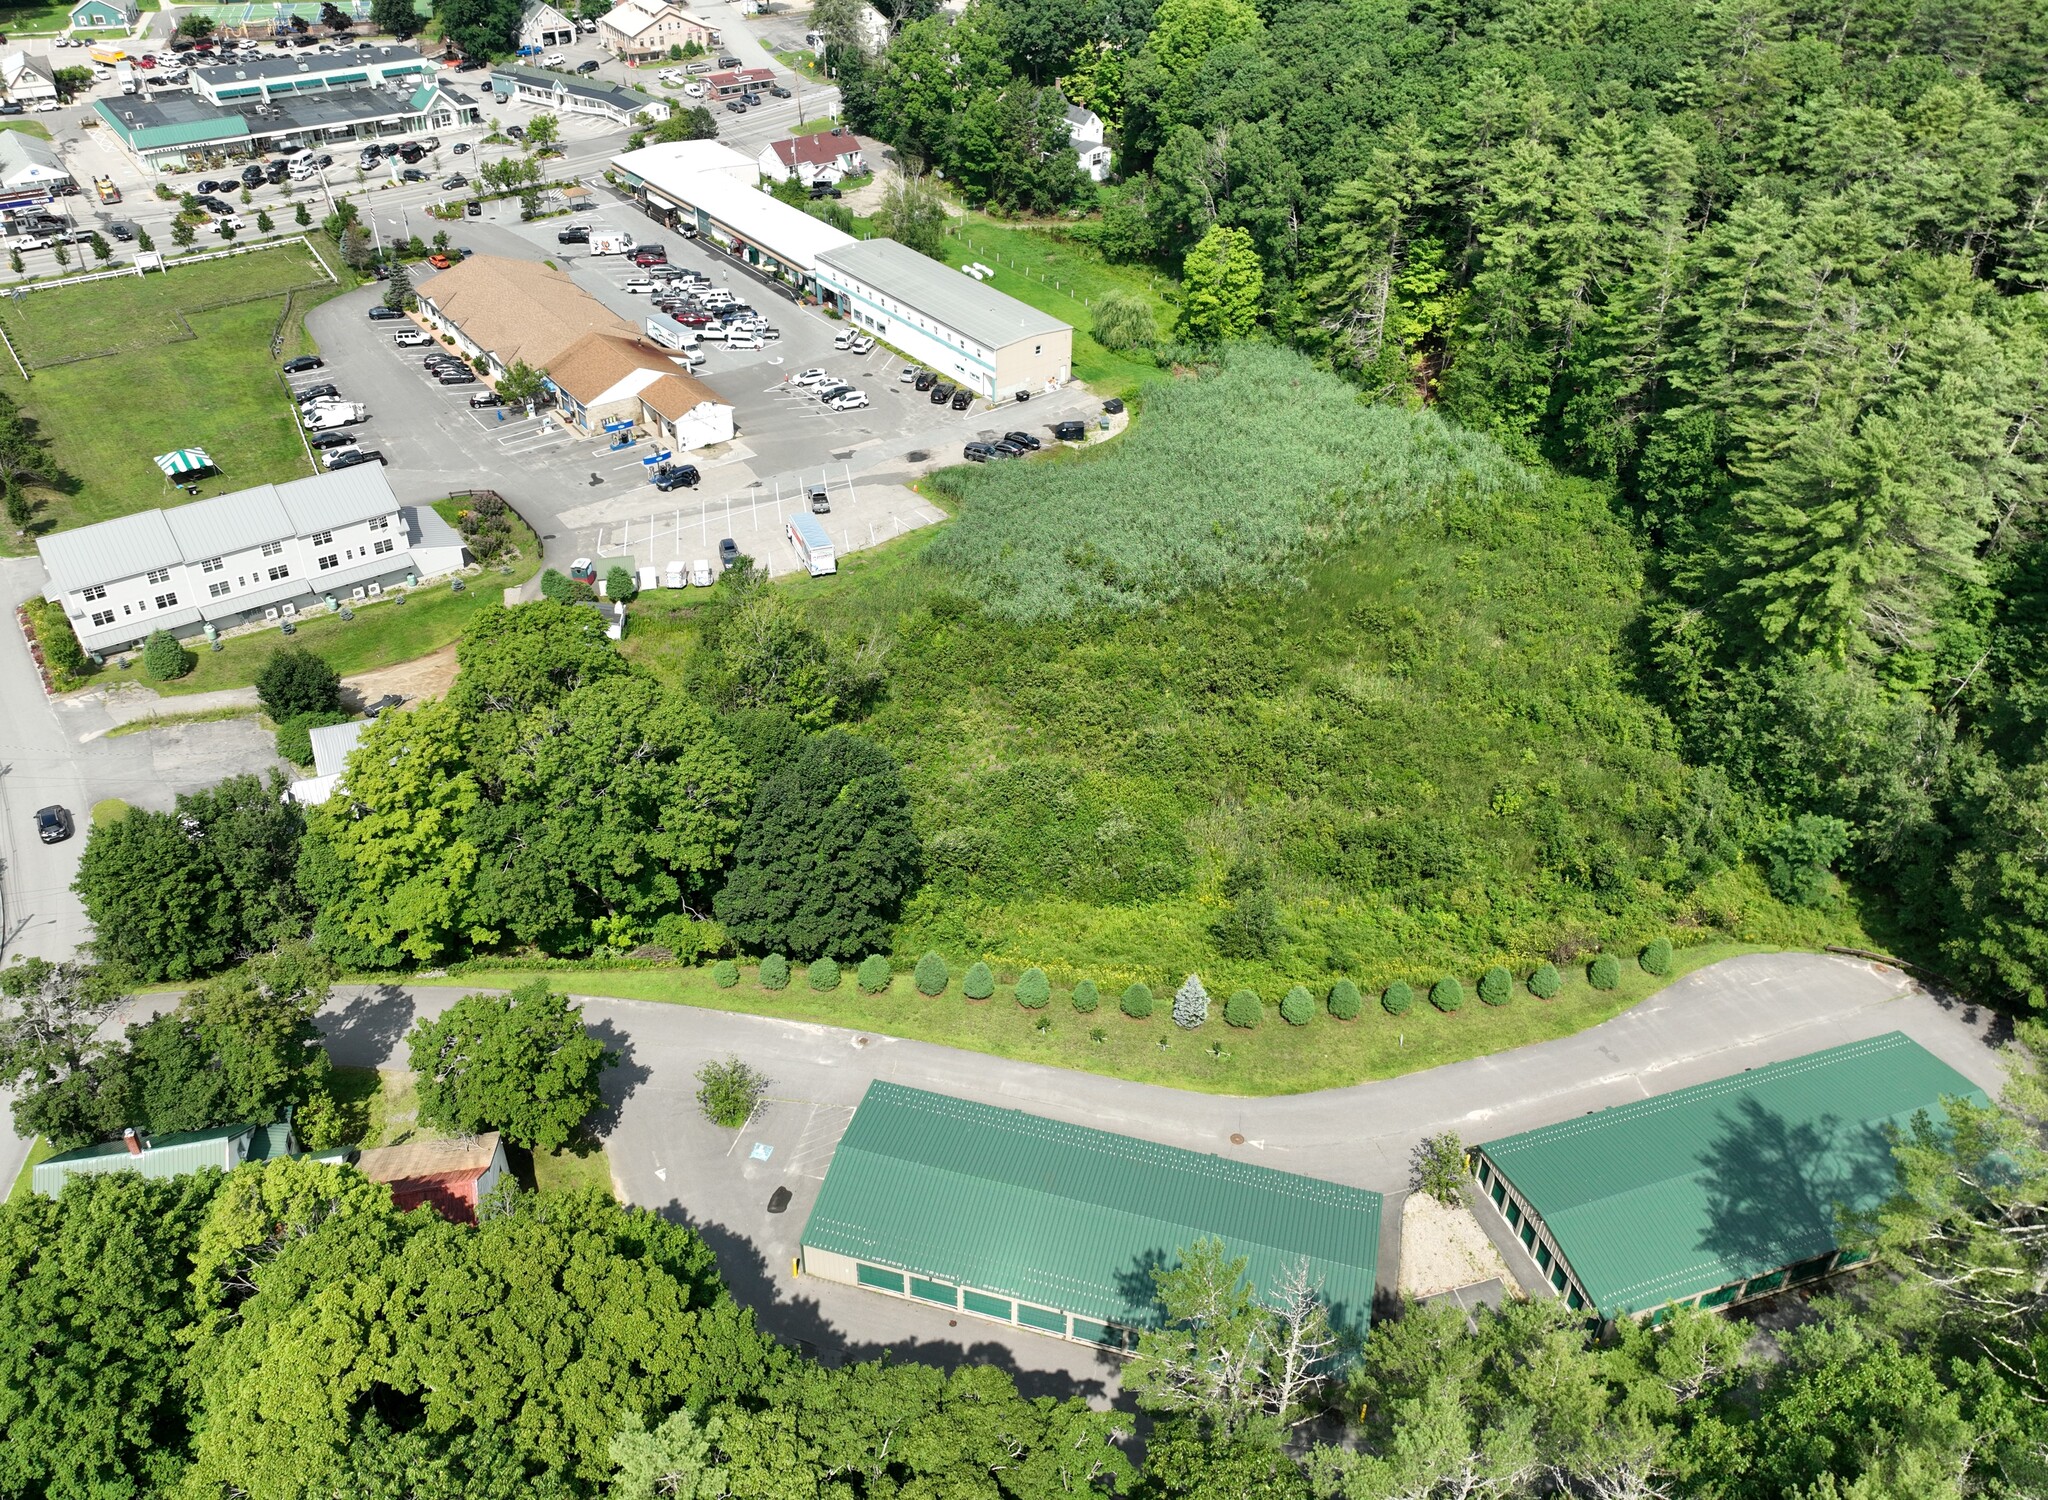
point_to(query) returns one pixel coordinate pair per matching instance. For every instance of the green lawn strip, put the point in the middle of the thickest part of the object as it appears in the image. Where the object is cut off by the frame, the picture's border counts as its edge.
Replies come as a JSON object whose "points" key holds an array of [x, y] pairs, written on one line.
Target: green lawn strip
{"points": [[106, 418], [582, 1164], [27, 127], [108, 810], [1272, 1058], [1083, 278], [39, 1150], [165, 721]]}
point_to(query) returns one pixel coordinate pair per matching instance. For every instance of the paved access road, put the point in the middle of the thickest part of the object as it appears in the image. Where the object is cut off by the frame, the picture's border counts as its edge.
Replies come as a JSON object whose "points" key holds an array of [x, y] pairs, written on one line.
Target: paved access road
{"points": [[1735, 1015]]}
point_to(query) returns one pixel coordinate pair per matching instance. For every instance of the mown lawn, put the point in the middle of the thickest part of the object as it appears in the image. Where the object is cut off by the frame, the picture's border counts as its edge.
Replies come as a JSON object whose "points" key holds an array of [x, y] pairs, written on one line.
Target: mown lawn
{"points": [[40, 1150], [107, 418], [1271, 1058], [1063, 279]]}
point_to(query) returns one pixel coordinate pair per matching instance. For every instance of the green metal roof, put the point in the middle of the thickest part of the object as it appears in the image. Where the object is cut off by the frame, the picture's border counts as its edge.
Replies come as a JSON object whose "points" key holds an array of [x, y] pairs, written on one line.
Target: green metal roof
{"points": [[1664, 1199], [164, 1156], [1073, 1218]]}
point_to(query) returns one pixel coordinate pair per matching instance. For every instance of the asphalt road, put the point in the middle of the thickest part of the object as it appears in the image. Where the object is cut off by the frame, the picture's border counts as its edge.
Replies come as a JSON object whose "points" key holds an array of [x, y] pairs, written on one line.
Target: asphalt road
{"points": [[1735, 1015]]}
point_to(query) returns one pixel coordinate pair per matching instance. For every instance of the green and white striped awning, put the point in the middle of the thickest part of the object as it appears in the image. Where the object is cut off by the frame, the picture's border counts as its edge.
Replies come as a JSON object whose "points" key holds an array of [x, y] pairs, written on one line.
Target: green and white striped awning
{"points": [[184, 461]]}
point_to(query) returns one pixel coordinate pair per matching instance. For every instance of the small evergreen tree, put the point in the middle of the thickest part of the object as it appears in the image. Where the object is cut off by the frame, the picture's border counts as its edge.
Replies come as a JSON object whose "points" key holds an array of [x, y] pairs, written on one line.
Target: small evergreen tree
{"points": [[1656, 958], [931, 975], [725, 973], [619, 586], [823, 975], [1496, 985], [1086, 996], [163, 657], [1034, 991], [1137, 1002], [1297, 1006], [1345, 1000], [1243, 1009], [1397, 997], [873, 975], [1190, 1003], [1605, 973], [774, 972], [978, 983], [1447, 994], [1545, 982]]}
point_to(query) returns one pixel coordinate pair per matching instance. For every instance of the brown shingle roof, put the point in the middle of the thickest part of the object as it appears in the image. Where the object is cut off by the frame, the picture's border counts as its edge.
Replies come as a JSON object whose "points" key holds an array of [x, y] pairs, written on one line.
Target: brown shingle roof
{"points": [[676, 396], [820, 149], [440, 1174], [519, 309], [598, 361]]}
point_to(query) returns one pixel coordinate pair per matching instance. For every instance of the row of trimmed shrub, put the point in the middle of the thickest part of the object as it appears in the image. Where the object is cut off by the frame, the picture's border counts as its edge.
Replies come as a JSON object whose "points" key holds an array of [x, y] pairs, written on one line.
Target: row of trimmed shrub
{"points": [[1244, 1008]]}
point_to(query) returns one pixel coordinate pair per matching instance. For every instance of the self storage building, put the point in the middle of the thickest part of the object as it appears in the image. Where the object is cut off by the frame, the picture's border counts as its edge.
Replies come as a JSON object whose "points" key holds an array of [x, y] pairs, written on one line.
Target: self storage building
{"points": [[1022, 1220], [1718, 1193]]}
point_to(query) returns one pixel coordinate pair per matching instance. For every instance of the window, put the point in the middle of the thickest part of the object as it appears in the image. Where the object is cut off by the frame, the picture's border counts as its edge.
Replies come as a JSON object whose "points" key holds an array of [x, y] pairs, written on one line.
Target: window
{"points": [[331, 560], [211, 565], [97, 592], [385, 546], [323, 538], [380, 523], [217, 590], [166, 601], [273, 549], [282, 570], [103, 617], [159, 575]]}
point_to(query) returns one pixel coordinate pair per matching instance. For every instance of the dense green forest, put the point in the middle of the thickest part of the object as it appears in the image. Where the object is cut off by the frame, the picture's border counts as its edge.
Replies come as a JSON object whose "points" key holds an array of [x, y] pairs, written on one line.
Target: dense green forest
{"points": [[1769, 273]]}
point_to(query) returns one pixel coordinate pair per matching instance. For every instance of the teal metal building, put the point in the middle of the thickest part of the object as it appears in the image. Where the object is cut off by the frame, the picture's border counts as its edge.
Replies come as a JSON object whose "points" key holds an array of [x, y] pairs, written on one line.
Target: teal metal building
{"points": [[1030, 1222]]}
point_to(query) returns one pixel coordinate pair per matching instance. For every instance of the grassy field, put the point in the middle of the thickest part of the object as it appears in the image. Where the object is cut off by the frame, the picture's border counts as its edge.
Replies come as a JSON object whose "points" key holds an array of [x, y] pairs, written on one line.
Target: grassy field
{"points": [[27, 127], [175, 377], [39, 1150], [1061, 279], [108, 810], [1271, 1058], [382, 634]]}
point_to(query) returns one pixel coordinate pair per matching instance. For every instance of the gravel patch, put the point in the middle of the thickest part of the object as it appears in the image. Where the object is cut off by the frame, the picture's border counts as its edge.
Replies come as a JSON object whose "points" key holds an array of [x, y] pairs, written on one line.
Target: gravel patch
{"points": [[1444, 1248]]}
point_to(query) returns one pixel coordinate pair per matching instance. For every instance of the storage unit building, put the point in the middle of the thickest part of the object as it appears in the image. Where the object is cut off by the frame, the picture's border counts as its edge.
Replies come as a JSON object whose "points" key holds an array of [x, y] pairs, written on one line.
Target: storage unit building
{"points": [[1717, 1193], [997, 1214], [968, 331], [706, 189]]}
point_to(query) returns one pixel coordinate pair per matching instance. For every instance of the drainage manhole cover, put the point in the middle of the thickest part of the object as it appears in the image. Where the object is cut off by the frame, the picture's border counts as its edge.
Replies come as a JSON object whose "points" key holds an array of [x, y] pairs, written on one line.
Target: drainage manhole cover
{"points": [[917, 455], [1236, 1140]]}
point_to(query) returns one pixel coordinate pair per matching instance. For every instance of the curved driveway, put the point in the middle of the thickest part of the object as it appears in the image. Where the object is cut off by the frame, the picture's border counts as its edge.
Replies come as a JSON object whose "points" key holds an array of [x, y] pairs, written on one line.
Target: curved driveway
{"points": [[1734, 1015]]}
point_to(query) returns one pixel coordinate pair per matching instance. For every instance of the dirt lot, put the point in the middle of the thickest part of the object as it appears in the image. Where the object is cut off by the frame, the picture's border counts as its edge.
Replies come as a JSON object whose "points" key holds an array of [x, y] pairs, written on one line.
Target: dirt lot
{"points": [[426, 677], [1444, 1248]]}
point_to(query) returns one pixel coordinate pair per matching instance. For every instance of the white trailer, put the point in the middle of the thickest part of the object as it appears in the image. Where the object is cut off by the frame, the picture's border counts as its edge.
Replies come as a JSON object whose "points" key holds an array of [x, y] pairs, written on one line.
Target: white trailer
{"points": [[812, 547]]}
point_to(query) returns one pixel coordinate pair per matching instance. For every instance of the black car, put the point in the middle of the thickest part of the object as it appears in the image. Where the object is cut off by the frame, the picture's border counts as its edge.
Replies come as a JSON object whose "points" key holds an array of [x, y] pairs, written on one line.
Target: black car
{"points": [[1113, 405], [728, 62], [315, 392], [474, 209], [457, 181], [364, 456], [410, 152], [412, 174], [1069, 432], [380, 313], [303, 363], [977, 453], [383, 705], [925, 381], [122, 232], [252, 177], [778, 91], [461, 147], [942, 393], [962, 399], [206, 185], [735, 108], [321, 440], [587, 67], [276, 172], [53, 824], [517, 132], [676, 477], [728, 552], [1023, 440], [575, 234], [1009, 449], [484, 399], [456, 377]]}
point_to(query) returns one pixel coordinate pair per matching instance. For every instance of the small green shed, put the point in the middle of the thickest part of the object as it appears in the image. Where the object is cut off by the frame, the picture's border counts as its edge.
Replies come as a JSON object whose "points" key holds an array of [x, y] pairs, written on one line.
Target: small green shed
{"points": [[104, 15], [1717, 1193], [1018, 1219]]}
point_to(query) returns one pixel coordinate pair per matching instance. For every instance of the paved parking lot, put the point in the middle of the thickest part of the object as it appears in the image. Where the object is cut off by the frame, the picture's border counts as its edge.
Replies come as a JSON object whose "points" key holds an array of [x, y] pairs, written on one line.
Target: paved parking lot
{"points": [[589, 499]]}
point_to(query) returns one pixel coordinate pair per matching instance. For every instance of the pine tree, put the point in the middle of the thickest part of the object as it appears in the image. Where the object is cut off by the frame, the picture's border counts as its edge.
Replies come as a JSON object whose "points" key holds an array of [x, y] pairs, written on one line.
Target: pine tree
{"points": [[1190, 1003]]}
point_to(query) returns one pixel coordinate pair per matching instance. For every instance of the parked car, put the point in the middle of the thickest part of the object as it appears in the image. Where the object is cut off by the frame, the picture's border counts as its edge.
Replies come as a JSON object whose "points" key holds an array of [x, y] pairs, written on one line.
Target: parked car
{"points": [[728, 62], [863, 345], [412, 338], [575, 234], [1023, 440], [728, 552], [517, 132], [850, 401], [1008, 449], [456, 377], [462, 148], [977, 453], [314, 393], [743, 341], [962, 399], [359, 456], [925, 380], [302, 364], [636, 285], [942, 393], [321, 440], [555, 60], [821, 500], [676, 476], [587, 67], [380, 313], [383, 705], [473, 209], [484, 399], [340, 456], [811, 376], [12, 107], [908, 376], [252, 177], [650, 255], [53, 824], [1070, 432]]}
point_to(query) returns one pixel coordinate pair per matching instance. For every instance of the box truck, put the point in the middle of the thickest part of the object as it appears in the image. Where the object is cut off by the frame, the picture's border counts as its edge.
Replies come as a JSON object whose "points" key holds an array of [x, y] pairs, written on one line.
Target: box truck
{"points": [[812, 547], [605, 241]]}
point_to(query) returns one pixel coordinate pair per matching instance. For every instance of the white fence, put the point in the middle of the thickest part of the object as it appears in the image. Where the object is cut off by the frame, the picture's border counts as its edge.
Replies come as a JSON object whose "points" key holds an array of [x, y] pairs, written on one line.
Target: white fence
{"points": [[251, 248]]}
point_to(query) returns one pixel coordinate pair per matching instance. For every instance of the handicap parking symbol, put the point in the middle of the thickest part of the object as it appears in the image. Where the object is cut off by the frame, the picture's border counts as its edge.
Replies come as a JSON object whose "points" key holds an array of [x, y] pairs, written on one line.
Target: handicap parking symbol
{"points": [[762, 1151]]}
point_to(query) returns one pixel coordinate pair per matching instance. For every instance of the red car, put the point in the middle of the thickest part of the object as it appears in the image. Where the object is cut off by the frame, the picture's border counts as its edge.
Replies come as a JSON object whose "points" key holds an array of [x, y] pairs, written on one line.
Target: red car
{"points": [[691, 320]]}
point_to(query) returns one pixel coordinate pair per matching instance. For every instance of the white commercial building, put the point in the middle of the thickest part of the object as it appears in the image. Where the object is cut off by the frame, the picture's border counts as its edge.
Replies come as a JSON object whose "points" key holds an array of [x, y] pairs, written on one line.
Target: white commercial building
{"points": [[29, 79], [260, 554], [968, 331], [30, 171], [712, 195], [640, 31], [569, 94]]}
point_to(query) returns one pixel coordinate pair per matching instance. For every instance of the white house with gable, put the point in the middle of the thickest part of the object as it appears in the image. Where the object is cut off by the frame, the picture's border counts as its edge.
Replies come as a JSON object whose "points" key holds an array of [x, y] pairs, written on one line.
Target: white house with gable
{"points": [[1085, 135]]}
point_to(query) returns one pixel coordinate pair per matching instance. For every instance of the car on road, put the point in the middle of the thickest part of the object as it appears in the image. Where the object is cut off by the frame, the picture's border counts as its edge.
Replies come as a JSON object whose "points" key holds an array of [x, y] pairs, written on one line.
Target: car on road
{"points": [[302, 364], [122, 232], [383, 705], [676, 476], [693, 90], [583, 570], [728, 61], [53, 824], [517, 132], [380, 313], [455, 181], [1070, 432], [321, 440], [962, 399], [778, 91], [587, 67], [412, 174], [1023, 440], [851, 401], [462, 148], [728, 552], [359, 456]]}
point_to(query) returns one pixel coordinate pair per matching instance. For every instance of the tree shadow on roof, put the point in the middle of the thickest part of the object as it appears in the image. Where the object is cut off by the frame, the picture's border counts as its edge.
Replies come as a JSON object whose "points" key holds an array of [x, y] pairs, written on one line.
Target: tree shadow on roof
{"points": [[1776, 1192]]}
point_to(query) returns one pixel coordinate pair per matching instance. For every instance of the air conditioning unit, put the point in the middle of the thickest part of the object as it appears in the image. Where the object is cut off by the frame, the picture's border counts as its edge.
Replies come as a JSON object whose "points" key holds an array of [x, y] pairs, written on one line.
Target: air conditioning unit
{"points": [[374, 590], [270, 614], [288, 610], [358, 593]]}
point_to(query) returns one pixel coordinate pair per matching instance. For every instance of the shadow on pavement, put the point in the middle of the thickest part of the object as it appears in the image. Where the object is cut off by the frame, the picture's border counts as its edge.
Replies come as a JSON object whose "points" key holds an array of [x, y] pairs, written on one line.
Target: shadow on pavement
{"points": [[618, 1084], [366, 1032], [802, 1324]]}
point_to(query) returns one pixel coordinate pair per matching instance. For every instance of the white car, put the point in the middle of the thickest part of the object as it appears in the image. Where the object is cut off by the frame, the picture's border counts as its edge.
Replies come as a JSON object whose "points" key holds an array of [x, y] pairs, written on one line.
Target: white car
{"points": [[843, 339], [232, 221], [808, 377], [21, 242], [412, 338], [44, 107], [711, 331], [694, 90], [744, 341], [329, 457], [863, 344], [851, 401], [909, 375], [639, 285], [554, 60]]}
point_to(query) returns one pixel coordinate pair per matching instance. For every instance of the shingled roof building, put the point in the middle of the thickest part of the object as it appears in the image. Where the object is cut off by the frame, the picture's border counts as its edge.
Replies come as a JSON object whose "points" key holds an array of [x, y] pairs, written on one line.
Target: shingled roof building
{"points": [[508, 311], [608, 378]]}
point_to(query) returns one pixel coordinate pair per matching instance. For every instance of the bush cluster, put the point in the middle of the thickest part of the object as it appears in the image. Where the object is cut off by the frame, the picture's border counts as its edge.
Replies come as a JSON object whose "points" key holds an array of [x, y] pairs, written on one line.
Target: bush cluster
{"points": [[1447, 994], [1656, 958], [1244, 1009], [1605, 972], [978, 983], [1086, 996], [1297, 1006], [486, 527], [725, 973], [774, 972], [1398, 997], [1496, 985], [1546, 982], [873, 975], [164, 657], [823, 975]]}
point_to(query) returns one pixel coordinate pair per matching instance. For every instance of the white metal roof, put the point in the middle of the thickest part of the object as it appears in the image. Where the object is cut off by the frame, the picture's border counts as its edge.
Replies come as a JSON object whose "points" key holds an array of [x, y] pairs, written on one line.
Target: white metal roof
{"points": [[332, 744], [669, 164], [991, 318], [789, 234]]}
